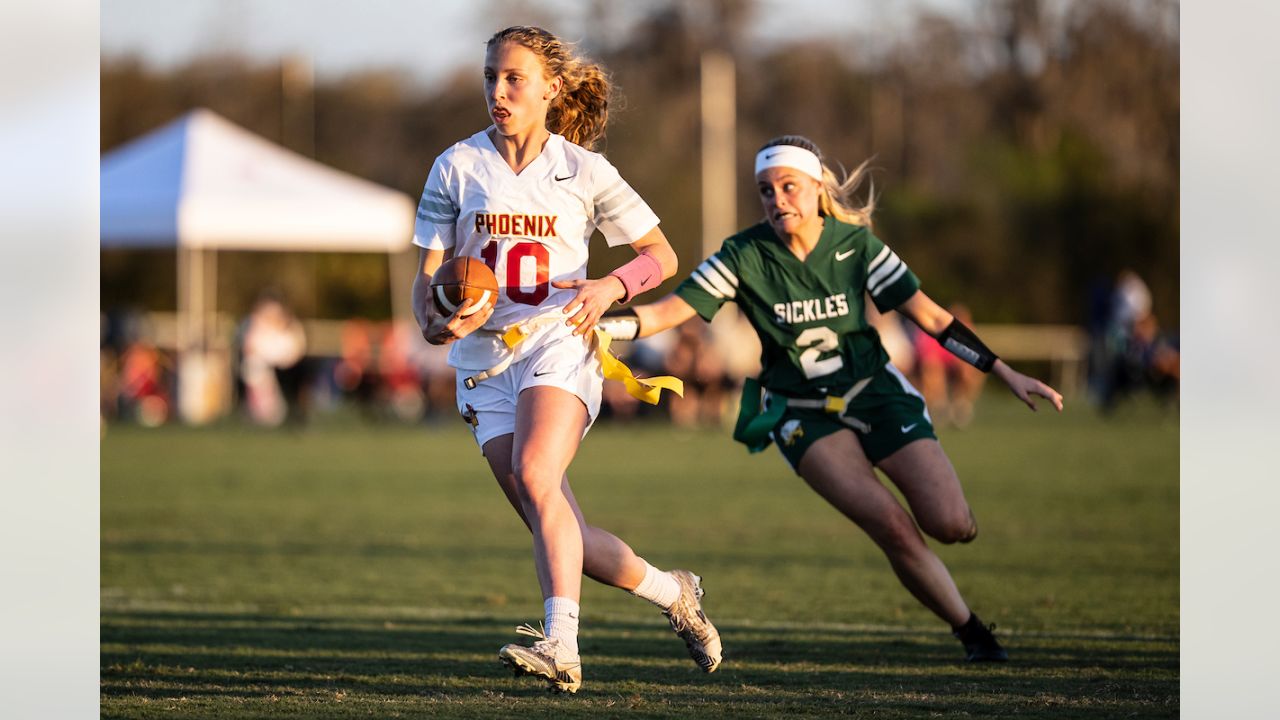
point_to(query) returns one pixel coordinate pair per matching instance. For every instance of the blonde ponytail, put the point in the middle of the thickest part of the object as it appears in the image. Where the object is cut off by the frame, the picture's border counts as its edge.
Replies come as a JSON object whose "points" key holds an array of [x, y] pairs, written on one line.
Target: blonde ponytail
{"points": [[836, 200]]}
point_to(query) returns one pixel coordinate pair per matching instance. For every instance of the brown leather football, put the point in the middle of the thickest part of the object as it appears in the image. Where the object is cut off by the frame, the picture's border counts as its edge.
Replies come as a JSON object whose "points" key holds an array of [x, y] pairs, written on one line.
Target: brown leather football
{"points": [[461, 278]]}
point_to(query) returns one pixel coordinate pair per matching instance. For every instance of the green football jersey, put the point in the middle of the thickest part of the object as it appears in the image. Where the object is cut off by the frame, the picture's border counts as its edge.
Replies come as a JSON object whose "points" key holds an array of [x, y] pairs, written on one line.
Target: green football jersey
{"points": [[808, 313]]}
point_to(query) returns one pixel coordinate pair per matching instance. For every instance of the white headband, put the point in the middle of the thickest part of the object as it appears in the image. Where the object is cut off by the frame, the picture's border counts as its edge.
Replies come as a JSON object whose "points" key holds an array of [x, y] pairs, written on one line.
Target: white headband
{"points": [[789, 156]]}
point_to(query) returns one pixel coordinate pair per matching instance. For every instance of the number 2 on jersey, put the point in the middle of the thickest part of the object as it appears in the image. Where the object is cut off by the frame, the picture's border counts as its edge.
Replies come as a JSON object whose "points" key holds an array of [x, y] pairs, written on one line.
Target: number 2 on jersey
{"points": [[817, 340], [517, 263]]}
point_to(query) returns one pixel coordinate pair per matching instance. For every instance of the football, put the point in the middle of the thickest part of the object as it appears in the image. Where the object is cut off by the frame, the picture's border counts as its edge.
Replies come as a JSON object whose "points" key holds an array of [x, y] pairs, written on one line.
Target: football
{"points": [[461, 278]]}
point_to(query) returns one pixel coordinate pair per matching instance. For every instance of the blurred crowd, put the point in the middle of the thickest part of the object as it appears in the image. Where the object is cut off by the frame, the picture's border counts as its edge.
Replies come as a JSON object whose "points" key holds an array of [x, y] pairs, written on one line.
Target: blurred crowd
{"points": [[136, 380], [386, 372], [1129, 351]]}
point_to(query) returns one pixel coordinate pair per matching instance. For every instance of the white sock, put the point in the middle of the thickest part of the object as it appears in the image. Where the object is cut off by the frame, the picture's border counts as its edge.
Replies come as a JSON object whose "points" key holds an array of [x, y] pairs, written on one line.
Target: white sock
{"points": [[658, 587], [562, 621]]}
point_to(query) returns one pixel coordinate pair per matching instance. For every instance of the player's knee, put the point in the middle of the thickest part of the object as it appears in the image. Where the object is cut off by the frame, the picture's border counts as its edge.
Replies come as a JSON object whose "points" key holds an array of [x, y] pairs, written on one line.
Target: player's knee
{"points": [[956, 527], [898, 539], [536, 483]]}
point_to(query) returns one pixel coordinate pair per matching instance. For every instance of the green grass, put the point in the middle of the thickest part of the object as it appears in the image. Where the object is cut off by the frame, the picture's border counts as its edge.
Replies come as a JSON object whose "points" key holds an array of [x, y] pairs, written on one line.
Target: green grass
{"points": [[357, 571]]}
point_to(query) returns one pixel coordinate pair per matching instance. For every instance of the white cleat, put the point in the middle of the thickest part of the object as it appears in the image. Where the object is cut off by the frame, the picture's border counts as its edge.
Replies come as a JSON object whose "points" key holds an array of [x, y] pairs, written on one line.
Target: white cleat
{"points": [[691, 624], [546, 658]]}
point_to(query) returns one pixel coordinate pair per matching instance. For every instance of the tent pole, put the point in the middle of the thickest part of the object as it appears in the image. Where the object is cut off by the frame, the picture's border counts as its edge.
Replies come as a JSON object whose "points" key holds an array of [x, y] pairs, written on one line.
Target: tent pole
{"points": [[212, 295], [183, 319], [197, 297], [399, 285], [220, 345]]}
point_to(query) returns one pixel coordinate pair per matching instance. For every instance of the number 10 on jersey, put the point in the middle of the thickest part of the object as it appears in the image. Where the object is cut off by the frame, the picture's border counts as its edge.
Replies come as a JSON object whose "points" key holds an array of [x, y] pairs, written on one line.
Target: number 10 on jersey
{"points": [[528, 271]]}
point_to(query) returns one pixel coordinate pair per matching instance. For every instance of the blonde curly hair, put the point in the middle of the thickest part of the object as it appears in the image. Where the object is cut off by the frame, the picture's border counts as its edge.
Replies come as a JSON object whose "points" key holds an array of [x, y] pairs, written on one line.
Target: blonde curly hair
{"points": [[581, 110]]}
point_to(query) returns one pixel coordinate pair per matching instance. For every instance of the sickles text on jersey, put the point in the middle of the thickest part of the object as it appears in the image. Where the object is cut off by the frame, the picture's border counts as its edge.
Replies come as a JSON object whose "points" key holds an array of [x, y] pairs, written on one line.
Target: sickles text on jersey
{"points": [[806, 311]]}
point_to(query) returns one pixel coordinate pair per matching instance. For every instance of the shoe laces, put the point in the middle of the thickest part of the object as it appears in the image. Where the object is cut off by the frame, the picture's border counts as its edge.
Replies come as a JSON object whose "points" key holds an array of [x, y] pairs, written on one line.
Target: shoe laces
{"points": [[683, 609], [548, 646], [527, 629], [544, 644]]}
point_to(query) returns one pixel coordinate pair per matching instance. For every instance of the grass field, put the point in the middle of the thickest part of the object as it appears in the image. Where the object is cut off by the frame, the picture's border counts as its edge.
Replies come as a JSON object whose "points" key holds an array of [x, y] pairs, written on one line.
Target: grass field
{"points": [[357, 571]]}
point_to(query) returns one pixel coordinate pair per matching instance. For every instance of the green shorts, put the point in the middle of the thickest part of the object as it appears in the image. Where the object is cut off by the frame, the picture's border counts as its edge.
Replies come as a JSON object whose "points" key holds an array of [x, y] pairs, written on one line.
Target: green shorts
{"points": [[886, 415]]}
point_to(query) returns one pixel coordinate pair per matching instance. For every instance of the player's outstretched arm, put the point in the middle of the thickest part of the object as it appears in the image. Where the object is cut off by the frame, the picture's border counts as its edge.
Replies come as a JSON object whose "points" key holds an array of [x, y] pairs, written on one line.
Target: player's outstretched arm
{"points": [[655, 261], [645, 320], [1024, 386], [440, 329], [964, 344]]}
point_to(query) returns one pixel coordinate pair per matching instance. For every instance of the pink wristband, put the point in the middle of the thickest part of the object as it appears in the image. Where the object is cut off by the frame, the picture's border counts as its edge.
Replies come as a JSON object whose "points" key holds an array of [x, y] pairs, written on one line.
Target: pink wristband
{"points": [[641, 274]]}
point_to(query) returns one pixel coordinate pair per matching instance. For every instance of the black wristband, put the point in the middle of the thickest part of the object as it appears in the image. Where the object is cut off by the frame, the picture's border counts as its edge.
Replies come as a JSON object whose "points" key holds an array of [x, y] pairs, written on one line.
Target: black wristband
{"points": [[620, 323], [960, 341]]}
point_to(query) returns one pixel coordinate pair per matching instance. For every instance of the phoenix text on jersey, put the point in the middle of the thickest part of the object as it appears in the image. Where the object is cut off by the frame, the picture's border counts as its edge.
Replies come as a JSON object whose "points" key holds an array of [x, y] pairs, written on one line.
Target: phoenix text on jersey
{"points": [[514, 224]]}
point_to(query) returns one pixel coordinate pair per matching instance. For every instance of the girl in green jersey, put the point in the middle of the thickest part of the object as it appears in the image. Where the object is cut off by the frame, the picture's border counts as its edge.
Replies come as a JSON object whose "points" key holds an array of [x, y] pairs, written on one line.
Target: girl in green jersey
{"points": [[827, 394]]}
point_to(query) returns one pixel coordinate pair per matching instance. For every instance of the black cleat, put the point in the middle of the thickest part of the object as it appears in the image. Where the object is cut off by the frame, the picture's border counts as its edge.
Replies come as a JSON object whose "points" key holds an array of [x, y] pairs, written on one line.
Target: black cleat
{"points": [[980, 644]]}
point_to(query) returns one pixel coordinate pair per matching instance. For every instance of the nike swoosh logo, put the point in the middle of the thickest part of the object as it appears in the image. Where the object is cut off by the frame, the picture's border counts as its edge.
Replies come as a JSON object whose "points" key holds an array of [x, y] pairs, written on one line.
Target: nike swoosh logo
{"points": [[548, 372], [907, 428], [566, 177], [840, 256], [771, 156]]}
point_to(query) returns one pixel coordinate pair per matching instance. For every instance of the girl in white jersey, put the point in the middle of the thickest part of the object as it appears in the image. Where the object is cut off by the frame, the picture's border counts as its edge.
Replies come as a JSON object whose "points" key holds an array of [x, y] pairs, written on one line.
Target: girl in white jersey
{"points": [[525, 195]]}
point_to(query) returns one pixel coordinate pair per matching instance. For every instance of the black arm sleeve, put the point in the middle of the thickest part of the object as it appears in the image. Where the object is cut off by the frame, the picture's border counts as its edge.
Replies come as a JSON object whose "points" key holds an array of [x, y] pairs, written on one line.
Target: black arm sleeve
{"points": [[962, 343]]}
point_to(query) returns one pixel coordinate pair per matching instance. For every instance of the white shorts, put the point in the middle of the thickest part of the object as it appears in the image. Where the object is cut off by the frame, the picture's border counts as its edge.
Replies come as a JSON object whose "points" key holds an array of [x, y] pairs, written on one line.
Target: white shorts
{"points": [[567, 363]]}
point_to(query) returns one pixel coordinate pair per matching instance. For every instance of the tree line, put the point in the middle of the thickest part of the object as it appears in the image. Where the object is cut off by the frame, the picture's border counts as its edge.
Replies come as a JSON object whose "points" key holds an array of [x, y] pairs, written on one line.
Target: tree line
{"points": [[1022, 155]]}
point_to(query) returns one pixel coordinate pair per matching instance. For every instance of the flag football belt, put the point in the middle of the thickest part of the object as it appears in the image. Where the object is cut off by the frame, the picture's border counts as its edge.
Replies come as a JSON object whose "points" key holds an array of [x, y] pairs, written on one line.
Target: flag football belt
{"points": [[754, 425], [647, 390]]}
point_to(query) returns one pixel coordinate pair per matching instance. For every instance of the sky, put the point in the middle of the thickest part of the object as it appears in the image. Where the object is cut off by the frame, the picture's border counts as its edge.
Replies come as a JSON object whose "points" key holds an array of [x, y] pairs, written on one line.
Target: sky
{"points": [[341, 37]]}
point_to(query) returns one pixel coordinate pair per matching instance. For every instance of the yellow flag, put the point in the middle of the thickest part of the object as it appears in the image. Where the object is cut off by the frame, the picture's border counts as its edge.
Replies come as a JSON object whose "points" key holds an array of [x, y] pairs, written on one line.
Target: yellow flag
{"points": [[646, 390]]}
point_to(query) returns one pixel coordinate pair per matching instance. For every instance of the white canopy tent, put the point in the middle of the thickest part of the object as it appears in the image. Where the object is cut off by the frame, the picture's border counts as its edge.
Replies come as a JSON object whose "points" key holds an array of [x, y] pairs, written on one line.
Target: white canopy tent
{"points": [[202, 184]]}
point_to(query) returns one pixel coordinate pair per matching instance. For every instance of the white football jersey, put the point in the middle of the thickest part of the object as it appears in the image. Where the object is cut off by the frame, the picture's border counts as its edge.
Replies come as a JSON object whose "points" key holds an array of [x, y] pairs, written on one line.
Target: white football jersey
{"points": [[531, 229]]}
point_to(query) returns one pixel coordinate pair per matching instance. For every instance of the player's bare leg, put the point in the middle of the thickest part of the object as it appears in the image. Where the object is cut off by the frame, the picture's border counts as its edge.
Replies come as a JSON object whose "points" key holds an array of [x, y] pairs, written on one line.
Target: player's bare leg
{"points": [[549, 425], [838, 470], [609, 560], [928, 481], [605, 557]]}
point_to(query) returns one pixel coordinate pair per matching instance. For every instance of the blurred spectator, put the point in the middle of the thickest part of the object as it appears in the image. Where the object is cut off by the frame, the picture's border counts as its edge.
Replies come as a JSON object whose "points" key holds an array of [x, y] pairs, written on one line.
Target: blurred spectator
{"points": [[144, 394], [950, 386], [108, 384], [354, 374], [1149, 360], [273, 363], [1130, 302], [695, 360], [135, 376], [1096, 325], [400, 389], [1134, 353], [436, 378]]}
